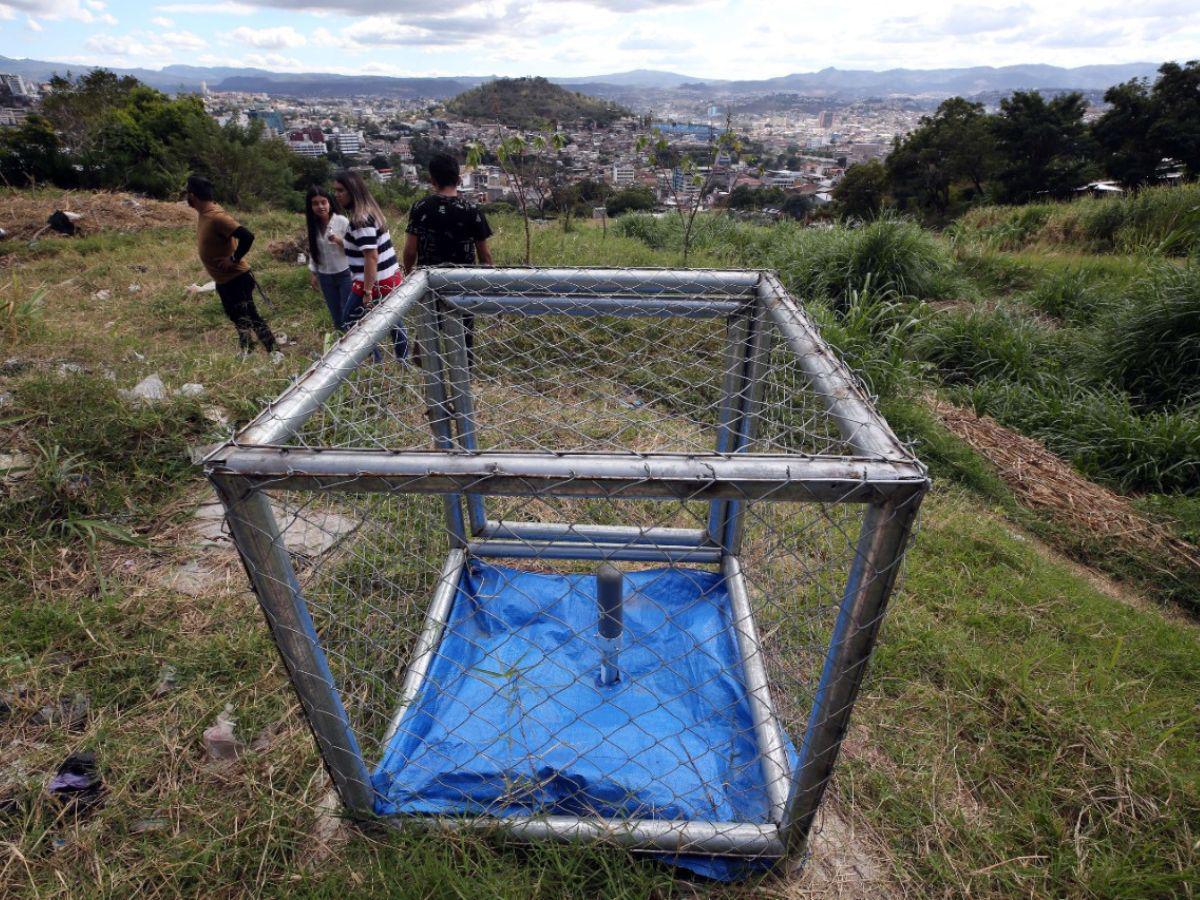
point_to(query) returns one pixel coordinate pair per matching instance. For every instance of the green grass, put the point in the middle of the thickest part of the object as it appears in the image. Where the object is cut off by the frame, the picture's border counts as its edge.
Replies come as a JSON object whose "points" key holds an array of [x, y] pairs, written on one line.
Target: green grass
{"points": [[1019, 732], [1159, 220]]}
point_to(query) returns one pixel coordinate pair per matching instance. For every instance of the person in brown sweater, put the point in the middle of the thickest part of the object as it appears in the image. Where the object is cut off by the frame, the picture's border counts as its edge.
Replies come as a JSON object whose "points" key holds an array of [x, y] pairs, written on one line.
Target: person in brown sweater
{"points": [[223, 243]]}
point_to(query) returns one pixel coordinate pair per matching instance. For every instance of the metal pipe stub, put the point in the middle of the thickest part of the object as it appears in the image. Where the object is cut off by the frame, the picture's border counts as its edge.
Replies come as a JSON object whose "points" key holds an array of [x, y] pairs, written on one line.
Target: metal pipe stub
{"points": [[611, 606]]}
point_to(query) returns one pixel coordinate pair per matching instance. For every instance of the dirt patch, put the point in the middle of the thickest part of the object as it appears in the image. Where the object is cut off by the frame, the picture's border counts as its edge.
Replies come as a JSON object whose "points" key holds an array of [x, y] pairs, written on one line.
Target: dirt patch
{"points": [[845, 861], [23, 215], [288, 249], [1043, 481]]}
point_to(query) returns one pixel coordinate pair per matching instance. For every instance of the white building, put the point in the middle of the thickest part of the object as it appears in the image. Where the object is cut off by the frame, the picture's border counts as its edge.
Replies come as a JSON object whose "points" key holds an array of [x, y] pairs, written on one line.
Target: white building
{"points": [[350, 142], [623, 174]]}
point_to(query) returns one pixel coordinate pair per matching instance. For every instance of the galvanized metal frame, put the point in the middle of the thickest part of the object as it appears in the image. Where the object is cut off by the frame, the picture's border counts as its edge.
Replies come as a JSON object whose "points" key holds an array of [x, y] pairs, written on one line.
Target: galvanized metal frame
{"points": [[881, 474]]}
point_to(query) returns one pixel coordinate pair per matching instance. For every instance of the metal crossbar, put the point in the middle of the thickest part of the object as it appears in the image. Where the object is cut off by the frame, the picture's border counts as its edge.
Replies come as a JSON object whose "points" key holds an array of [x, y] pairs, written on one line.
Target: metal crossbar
{"points": [[427, 538]]}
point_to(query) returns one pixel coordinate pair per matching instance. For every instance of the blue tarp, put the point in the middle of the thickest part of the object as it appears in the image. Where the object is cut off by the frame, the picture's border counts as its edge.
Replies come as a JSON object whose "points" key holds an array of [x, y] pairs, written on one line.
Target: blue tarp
{"points": [[511, 720]]}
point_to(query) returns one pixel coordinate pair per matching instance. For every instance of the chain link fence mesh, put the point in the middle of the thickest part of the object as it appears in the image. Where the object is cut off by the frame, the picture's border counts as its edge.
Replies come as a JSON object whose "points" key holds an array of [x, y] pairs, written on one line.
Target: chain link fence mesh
{"points": [[443, 615]]}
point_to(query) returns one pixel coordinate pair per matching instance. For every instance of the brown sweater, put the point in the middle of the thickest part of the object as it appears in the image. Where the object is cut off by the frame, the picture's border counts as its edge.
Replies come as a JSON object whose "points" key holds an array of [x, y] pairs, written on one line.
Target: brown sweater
{"points": [[214, 240]]}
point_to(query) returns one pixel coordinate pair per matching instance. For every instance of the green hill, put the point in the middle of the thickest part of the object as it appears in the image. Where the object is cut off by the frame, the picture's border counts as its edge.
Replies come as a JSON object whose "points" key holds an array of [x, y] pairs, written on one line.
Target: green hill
{"points": [[532, 103]]}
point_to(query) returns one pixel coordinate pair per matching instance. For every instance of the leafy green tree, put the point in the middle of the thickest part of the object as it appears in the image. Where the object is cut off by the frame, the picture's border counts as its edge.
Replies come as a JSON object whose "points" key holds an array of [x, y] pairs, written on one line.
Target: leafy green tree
{"points": [[33, 153], [74, 107], [796, 206], [1177, 128], [953, 146], [862, 190], [1044, 147], [1122, 134], [637, 198]]}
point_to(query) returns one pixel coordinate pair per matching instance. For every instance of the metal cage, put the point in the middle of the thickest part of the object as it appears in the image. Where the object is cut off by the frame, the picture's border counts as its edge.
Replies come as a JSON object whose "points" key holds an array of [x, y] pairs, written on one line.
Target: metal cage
{"points": [[432, 540]]}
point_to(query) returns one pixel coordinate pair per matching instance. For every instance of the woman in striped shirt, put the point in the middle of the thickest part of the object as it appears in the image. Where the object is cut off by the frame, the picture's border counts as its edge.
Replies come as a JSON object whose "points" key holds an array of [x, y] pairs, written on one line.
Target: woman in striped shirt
{"points": [[374, 268]]}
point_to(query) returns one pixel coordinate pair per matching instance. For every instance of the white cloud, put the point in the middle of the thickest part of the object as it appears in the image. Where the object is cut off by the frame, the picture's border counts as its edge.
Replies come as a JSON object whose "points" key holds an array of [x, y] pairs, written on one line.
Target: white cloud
{"points": [[33, 24], [183, 40], [278, 38], [226, 8], [162, 22], [86, 11]]}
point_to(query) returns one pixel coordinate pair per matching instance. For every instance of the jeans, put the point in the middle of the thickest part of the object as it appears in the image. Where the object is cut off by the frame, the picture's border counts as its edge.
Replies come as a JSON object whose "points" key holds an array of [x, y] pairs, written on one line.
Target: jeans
{"points": [[237, 299], [335, 288], [355, 310]]}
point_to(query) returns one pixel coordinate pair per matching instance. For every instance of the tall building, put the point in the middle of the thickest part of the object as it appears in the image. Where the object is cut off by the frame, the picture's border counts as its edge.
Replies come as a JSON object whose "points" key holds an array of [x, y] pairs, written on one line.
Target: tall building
{"points": [[15, 85], [825, 119]]}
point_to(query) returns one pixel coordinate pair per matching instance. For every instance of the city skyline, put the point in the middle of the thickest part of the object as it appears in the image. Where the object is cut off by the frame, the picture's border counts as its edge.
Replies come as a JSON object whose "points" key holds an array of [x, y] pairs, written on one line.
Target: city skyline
{"points": [[710, 40]]}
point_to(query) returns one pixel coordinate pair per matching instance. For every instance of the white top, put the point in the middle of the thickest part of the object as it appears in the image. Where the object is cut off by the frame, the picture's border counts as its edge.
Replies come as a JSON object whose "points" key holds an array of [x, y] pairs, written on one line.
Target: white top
{"points": [[333, 257]]}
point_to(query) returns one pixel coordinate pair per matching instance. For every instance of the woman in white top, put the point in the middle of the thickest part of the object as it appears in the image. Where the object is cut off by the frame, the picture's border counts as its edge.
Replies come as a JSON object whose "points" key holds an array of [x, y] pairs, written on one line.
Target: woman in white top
{"points": [[328, 268]]}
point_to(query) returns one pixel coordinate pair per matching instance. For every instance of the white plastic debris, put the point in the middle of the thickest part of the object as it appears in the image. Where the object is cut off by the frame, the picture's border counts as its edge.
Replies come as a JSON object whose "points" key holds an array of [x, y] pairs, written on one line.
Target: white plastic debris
{"points": [[134, 288], [149, 390], [301, 259], [220, 741], [102, 295], [206, 288], [191, 389]]}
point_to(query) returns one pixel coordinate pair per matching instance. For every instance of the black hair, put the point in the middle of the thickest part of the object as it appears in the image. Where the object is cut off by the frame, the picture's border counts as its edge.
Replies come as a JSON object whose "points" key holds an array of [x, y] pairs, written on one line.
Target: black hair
{"points": [[362, 207], [199, 186], [443, 170], [314, 227]]}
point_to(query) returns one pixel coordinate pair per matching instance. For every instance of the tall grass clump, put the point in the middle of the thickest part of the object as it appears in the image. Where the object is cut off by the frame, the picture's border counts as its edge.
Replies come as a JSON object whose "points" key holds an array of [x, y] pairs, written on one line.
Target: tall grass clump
{"points": [[1151, 344], [981, 344], [890, 254], [1156, 220], [1100, 432]]}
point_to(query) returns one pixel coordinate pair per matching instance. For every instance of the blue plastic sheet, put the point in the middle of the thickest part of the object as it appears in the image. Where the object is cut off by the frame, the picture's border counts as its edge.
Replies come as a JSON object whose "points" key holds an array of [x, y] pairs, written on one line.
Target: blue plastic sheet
{"points": [[512, 721]]}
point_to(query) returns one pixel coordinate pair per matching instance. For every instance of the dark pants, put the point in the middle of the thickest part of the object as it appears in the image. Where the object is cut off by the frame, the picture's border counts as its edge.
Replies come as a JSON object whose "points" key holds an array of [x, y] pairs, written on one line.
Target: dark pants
{"points": [[237, 299], [355, 310], [336, 288]]}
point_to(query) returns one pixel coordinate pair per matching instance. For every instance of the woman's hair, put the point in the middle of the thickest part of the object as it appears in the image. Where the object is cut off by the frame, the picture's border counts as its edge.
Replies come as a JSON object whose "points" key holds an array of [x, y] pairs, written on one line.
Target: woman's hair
{"points": [[362, 204], [315, 231]]}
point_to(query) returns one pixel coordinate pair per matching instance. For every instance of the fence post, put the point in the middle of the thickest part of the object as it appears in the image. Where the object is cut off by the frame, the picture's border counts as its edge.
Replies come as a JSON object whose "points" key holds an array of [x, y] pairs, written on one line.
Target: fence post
{"points": [[267, 562]]}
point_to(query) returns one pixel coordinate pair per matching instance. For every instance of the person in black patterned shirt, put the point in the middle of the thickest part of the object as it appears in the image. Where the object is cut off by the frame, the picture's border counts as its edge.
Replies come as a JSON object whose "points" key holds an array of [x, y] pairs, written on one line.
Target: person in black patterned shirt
{"points": [[444, 228]]}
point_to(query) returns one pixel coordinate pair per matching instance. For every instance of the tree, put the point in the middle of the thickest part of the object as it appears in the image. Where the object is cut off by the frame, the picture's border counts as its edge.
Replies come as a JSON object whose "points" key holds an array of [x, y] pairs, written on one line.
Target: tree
{"points": [[32, 153], [953, 146], [1176, 130], [686, 184], [1122, 134], [862, 189], [796, 206], [1044, 147], [637, 198]]}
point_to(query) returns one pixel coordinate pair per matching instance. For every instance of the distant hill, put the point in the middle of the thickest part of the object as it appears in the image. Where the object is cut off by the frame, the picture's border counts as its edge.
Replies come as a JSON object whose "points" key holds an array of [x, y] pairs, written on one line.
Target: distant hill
{"points": [[626, 87], [530, 103]]}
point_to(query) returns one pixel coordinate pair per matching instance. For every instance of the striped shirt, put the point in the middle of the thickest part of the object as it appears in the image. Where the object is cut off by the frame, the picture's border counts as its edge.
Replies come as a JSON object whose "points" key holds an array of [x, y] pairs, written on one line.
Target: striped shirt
{"points": [[367, 237]]}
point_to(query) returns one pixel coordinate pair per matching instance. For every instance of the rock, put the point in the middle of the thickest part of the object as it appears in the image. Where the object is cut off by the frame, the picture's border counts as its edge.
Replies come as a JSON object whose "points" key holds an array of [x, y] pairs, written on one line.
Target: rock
{"points": [[102, 295], [149, 390], [217, 415], [14, 365], [70, 368], [191, 389], [220, 741], [276, 357], [6, 399]]}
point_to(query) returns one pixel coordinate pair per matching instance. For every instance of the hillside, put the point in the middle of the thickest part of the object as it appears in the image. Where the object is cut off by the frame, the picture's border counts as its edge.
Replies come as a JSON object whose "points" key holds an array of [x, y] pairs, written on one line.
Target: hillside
{"points": [[1027, 726], [532, 103]]}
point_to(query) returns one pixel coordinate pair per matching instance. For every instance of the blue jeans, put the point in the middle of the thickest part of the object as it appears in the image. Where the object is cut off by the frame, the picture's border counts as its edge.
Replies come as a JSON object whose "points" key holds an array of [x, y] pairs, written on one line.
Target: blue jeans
{"points": [[335, 288], [355, 310]]}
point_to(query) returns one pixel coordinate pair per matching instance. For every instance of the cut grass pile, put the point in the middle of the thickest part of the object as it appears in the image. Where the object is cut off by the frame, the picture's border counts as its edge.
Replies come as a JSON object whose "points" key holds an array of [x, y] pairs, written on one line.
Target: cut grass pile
{"points": [[1019, 732]]}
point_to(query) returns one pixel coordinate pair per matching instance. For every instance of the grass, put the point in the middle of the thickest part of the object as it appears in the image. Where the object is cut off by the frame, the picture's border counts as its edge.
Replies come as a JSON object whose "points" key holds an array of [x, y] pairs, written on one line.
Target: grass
{"points": [[1019, 732], [1158, 220]]}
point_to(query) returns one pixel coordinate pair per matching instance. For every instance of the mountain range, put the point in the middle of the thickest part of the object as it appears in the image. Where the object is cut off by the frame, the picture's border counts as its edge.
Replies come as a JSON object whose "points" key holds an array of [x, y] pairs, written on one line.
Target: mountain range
{"points": [[845, 84]]}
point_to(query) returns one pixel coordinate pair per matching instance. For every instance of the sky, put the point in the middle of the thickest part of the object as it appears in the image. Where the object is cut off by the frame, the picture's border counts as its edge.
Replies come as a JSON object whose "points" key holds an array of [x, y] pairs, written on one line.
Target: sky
{"points": [[727, 39]]}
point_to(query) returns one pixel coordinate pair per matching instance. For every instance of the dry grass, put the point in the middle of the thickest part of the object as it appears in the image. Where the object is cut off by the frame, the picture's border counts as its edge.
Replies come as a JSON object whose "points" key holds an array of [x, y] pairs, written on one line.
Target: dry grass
{"points": [[23, 214]]}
